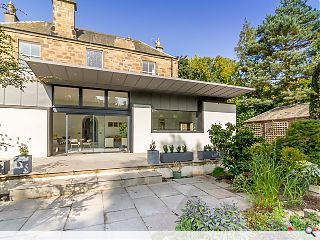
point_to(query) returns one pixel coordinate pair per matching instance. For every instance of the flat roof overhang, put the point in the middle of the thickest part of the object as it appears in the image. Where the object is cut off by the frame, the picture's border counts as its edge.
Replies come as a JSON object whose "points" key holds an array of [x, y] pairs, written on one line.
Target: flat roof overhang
{"points": [[79, 75]]}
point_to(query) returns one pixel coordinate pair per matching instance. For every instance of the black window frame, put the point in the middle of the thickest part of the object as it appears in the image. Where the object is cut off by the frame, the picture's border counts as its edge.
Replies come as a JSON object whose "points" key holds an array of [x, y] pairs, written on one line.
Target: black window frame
{"points": [[81, 106]]}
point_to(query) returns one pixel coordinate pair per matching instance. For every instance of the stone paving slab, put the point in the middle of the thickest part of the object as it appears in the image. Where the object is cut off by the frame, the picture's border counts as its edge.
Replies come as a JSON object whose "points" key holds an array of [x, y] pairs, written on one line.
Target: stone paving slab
{"points": [[161, 222], [134, 224], [133, 208], [15, 214], [175, 203], [47, 220], [12, 225], [121, 215], [86, 216], [148, 206], [139, 191], [119, 202], [190, 190], [163, 190]]}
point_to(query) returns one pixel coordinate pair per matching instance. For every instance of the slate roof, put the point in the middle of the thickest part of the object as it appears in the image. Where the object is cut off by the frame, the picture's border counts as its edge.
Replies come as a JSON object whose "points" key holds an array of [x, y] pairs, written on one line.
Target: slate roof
{"points": [[284, 112], [108, 40]]}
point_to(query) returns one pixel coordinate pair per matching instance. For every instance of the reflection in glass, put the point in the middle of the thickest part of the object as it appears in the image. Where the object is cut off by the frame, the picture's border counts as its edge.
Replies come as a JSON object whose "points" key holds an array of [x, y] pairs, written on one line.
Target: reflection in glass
{"points": [[66, 96], [93, 98], [174, 121], [118, 99]]}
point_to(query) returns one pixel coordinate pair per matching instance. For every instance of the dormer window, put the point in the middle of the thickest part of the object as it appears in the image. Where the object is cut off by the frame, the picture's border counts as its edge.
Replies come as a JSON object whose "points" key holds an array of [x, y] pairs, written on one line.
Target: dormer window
{"points": [[149, 68], [94, 58]]}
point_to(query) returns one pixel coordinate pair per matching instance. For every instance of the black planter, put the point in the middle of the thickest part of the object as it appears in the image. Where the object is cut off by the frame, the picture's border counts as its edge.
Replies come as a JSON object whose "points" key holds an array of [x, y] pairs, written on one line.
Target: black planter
{"points": [[4, 167], [22, 165], [176, 157], [203, 155], [153, 156]]}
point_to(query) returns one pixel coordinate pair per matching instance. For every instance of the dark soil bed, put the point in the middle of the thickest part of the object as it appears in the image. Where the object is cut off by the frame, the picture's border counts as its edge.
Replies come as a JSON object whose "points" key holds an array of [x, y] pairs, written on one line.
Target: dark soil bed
{"points": [[310, 202]]}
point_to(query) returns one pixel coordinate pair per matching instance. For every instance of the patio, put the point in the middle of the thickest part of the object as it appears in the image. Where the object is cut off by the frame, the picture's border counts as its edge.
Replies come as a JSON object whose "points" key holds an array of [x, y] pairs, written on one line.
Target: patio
{"points": [[147, 207], [82, 162]]}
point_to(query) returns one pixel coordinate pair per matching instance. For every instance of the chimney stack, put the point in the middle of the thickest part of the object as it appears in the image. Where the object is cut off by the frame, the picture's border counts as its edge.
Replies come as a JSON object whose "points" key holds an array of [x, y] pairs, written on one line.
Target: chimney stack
{"points": [[10, 13], [158, 45], [64, 18]]}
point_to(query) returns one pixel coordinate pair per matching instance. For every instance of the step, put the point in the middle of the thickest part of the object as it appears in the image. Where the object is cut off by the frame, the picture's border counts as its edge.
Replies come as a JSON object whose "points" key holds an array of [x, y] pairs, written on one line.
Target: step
{"points": [[74, 184]]}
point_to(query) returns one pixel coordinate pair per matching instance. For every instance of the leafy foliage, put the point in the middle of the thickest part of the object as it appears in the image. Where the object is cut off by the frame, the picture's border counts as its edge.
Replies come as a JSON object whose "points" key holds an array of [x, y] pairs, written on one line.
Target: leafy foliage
{"points": [[265, 221], [234, 145], [299, 224], [315, 95], [218, 69], [303, 135], [218, 172], [153, 145], [241, 183], [197, 216]]}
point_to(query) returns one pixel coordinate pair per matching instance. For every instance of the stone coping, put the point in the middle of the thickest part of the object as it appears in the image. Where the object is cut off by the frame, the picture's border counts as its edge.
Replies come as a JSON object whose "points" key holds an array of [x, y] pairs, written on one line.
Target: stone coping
{"points": [[33, 175]]}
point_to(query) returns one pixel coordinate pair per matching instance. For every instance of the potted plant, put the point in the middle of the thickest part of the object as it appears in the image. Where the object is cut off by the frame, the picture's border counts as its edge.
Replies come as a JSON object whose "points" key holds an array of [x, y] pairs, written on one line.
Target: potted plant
{"points": [[123, 131], [22, 164], [208, 153], [181, 154], [4, 167], [176, 170], [153, 154]]}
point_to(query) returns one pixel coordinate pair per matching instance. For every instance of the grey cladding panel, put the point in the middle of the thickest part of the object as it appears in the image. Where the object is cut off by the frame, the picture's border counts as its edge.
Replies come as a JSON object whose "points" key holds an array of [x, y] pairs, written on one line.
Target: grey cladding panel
{"points": [[44, 95], [12, 96], [30, 94], [1, 95]]}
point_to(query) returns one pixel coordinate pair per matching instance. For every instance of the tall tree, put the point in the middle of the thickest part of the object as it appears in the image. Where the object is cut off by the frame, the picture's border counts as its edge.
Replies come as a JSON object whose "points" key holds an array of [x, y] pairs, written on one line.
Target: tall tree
{"points": [[218, 69], [277, 62], [11, 72]]}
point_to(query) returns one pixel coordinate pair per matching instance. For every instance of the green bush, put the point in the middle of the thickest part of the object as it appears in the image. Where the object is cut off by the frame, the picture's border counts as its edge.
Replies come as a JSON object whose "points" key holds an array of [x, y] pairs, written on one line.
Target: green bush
{"points": [[218, 172], [240, 183], [293, 158], [197, 216], [266, 221], [234, 144], [299, 224], [305, 136]]}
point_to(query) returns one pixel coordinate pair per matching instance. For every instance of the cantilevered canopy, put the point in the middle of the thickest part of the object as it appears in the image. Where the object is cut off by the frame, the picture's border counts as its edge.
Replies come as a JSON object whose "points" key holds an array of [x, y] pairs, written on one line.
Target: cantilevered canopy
{"points": [[78, 75]]}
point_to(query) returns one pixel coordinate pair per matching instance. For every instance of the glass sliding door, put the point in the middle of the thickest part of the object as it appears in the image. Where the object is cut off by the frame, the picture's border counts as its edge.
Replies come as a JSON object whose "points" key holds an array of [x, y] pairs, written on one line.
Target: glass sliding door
{"points": [[86, 133]]}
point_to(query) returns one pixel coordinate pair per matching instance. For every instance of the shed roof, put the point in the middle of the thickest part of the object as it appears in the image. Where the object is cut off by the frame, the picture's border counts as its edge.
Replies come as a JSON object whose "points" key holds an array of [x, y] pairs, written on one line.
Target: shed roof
{"points": [[284, 112], [45, 28]]}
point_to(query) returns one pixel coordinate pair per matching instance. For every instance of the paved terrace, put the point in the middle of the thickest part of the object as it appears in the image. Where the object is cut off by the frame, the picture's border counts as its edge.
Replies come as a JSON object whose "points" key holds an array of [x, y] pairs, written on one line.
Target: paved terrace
{"points": [[147, 207], [81, 162]]}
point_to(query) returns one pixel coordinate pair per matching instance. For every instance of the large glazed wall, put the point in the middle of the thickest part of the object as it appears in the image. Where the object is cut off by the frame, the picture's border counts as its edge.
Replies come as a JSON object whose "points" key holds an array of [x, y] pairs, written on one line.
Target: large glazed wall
{"points": [[142, 135], [25, 124]]}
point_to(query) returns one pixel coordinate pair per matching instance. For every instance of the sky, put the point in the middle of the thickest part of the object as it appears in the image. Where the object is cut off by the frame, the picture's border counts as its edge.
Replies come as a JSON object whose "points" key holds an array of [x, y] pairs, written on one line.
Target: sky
{"points": [[185, 27]]}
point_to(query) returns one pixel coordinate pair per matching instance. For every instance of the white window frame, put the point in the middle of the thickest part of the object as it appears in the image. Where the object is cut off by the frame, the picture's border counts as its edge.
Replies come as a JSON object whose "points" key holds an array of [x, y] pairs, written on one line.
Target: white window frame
{"points": [[94, 50], [150, 72], [24, 56]]}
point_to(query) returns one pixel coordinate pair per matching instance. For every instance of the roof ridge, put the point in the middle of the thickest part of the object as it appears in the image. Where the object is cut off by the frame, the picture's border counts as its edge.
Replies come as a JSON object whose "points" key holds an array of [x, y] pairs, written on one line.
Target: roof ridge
{"points": [[24, 22]]}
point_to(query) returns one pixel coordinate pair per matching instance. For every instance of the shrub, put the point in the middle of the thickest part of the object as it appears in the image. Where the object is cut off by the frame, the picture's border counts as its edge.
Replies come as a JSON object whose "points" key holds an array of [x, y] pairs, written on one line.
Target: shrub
{"points": [[178, 148], [304, 135], [184, 148], [218, 172], [266, 221], [197, 216], [171, 148], [165, 148], [240, 183], [207, 148], [299, 224], [293, 158], [153, 145], [234, 144]]}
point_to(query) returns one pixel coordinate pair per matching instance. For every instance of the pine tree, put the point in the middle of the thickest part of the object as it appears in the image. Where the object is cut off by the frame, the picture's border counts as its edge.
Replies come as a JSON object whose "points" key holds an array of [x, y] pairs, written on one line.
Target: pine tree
{"points": [[277, 62]]}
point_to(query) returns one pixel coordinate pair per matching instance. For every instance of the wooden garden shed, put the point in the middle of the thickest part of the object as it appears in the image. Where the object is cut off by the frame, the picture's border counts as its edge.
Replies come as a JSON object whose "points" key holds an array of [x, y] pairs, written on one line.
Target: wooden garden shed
{"points": [[275, 122]]}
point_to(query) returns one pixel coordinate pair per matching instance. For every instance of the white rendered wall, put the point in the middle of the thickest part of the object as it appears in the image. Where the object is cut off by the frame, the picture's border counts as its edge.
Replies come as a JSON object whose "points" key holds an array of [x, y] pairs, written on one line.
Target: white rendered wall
{"points": [[25, 124], [142, 135]]}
